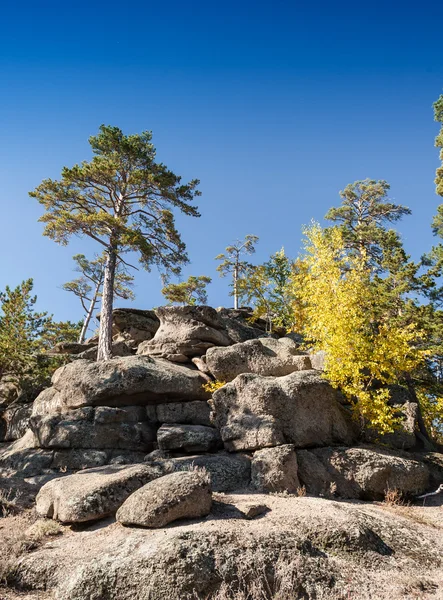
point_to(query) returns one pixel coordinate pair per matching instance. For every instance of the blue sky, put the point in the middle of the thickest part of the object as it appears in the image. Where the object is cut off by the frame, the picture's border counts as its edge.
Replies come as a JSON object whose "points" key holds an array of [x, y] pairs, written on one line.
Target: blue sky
{"points": [[275, 107]]}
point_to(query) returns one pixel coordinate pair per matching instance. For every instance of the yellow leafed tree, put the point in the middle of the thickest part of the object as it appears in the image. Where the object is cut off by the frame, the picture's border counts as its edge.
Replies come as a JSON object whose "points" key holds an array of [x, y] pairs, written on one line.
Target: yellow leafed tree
{"points": [[343, 315]]}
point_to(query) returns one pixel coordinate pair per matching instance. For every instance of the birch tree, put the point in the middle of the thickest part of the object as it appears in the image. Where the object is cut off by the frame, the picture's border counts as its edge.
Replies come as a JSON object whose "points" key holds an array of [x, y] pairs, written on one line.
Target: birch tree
{"points": [[123, 199]]}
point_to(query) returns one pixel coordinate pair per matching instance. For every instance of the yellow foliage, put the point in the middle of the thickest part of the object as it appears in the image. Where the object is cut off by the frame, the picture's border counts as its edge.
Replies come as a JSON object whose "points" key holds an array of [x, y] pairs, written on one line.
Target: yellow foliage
{"points": [[343, 315], [213, 386]]}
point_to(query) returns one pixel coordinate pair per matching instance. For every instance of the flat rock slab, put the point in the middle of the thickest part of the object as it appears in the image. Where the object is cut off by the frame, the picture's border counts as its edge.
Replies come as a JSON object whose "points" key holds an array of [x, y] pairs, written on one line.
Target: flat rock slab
{"points": [[255, 412], [92, 494], [228, 472], [130, 380], [96, 428], [366, 473], [188, 438], [263, 356], [182, 495], [194, 412]]}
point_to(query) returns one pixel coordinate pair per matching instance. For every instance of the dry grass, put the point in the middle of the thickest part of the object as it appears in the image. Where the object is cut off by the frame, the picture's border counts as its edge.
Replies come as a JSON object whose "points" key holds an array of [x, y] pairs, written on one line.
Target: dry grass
{"points": [[394, 497], [301, 491], [8, 502]]}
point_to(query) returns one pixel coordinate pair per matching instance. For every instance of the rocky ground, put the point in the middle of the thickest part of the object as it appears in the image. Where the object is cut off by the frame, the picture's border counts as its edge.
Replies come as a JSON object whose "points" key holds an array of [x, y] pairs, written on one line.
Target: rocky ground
{"points": [[295, 547]]}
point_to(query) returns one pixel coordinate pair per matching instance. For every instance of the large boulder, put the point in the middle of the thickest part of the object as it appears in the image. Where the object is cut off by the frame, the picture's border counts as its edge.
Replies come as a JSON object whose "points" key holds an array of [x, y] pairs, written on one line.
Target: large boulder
{"points": [[185, 332], [263, 356], [188, 438], [228, 472], [131, 380], [366, 473], [256, 412], [92, 494], [197, 412], [133, 326], [275, 470], [99, 428], [182, 495]]}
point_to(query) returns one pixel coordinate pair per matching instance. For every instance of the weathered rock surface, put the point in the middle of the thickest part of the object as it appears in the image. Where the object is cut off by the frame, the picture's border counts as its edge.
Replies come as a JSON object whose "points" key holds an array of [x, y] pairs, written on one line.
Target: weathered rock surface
{"points": [[182, 495], [197, 412], [228, 472], [14, 422], [238, 324], [93, 493], [255, 412], [99, 428], [132, 380], [24, 458], [328, 549], [263, 356], [188, 438], [185, 332], [133, 326], [119, 348], [275, 469], [363, 472]]}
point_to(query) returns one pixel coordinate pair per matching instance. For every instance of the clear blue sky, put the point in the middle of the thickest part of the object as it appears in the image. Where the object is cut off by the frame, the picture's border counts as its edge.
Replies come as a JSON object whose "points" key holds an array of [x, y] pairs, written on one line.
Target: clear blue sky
{"points": [[274, 106]]}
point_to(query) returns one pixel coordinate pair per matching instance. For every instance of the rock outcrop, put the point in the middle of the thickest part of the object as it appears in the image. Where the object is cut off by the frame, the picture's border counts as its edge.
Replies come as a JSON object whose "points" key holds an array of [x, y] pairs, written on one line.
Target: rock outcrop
{"points": [[182, 495], [256, 412], [367, 473], [263, 356], [185, 332]]}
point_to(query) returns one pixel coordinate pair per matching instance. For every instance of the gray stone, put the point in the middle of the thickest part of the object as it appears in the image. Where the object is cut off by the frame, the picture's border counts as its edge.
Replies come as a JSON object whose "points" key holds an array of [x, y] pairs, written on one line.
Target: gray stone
{"points": [[238, 325], [91, 494], [119, 348], [366, 473], [133, 326], [182, 495], [23, 458], [188, 438], [70, 348], [275, 470], [15, 421], [185, 332], [79, 428], [132, 380], [255, 412], [48, 402], [263, 356], [228, 472], [197, 412]]}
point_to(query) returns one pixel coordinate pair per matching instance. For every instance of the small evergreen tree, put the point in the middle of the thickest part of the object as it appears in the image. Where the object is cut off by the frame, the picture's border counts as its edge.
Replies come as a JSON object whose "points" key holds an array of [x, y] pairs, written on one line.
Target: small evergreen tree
{"points": [[191, 291]]}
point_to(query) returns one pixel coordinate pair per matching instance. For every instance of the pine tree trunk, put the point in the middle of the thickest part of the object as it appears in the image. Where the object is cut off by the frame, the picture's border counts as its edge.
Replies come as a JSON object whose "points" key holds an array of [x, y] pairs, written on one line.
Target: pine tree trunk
{"points": [[88, 317], [105, 331]]}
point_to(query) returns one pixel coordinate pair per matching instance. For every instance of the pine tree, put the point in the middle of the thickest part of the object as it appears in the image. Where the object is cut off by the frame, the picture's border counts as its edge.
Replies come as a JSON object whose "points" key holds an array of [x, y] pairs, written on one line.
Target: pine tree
{"points": [[123, 199], [191, 291], [232, 263]]}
